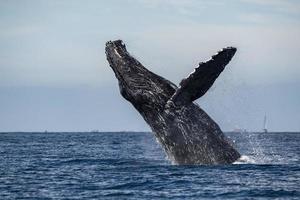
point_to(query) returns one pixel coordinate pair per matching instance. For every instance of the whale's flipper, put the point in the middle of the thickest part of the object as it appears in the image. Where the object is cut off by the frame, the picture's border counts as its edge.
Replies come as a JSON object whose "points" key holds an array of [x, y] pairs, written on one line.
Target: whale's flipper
{"points": [[199, 81]]}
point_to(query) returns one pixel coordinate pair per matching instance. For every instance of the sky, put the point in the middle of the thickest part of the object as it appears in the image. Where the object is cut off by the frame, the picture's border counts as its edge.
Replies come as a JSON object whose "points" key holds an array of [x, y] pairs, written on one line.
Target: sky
{"points": [[54, 75]]}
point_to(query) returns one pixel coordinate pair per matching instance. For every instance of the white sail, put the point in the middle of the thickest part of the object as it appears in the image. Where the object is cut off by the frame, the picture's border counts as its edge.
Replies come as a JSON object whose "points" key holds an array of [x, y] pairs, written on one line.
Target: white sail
{"points": [[265, 124]]}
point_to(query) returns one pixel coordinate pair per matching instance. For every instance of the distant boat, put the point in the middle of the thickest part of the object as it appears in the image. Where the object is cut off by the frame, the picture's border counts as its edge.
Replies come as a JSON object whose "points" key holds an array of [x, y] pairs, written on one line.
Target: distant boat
{"points": [[265, 130], [95, 131]]}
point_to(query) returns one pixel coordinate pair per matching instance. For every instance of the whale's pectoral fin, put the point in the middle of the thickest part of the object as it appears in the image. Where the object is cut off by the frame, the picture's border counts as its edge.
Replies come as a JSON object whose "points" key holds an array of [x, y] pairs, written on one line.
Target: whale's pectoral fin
{"points": [[203, 77]]}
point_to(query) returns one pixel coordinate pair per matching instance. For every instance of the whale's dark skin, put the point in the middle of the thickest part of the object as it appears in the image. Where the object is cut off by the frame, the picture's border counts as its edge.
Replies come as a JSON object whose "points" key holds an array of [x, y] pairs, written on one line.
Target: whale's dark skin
{"points": [[187, 134]]}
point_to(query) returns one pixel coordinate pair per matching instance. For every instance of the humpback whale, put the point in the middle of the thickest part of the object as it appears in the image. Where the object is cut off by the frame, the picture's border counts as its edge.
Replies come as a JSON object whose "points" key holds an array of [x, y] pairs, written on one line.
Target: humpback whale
{"points": [[187, 134]]}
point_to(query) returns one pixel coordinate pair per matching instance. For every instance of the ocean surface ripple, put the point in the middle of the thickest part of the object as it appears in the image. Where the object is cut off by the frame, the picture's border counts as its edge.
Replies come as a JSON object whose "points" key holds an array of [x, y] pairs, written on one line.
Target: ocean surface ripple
{"points": [[132, 165]]}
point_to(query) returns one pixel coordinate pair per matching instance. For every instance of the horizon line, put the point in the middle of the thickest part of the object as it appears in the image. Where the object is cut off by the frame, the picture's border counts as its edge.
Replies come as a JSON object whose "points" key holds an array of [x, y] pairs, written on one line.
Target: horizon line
{"points": [[126, 131]]}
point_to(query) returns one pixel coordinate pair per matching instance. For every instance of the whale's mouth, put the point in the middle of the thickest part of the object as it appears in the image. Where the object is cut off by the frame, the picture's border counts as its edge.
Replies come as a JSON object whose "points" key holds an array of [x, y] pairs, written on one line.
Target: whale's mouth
{"points": [[127, 69], [115, 51], [117, 57], [136, 83], [117, 46], [122, 63]]}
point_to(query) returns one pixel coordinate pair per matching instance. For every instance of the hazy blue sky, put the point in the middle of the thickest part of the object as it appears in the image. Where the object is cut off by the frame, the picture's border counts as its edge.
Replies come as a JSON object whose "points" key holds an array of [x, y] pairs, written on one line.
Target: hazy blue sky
{"points": [[54, 75]]}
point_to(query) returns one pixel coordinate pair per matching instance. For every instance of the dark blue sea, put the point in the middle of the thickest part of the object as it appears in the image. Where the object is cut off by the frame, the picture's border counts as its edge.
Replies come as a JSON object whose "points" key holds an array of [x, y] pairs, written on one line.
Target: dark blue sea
{"points": [[132, 165]]}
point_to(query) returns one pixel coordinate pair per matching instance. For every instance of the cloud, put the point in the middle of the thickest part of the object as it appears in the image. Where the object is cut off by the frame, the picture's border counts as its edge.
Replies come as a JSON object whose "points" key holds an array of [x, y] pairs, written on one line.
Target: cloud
{"points": [[17, 31], [257, 18], [286, 6], [183, 7], [265, 54], [65, 45]]}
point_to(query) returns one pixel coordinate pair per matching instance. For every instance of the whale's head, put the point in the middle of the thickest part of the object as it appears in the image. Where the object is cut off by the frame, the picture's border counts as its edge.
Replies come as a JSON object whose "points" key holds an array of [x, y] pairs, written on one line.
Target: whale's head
{"points": [[143, 88]]}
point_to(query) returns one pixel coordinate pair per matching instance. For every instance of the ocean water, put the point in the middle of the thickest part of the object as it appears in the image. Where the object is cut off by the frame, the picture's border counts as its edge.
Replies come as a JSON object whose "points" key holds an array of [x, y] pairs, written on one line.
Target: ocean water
{"points": [[131, 165]]}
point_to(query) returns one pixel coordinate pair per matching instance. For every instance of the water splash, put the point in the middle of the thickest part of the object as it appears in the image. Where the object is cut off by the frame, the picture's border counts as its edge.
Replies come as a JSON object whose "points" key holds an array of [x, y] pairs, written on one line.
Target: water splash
{"points": [[245, 160], [258, 149]]}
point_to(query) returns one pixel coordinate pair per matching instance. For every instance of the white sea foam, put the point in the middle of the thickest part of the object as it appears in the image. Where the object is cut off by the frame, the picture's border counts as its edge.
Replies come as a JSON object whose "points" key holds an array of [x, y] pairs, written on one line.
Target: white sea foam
{"points": [[245, 160]]}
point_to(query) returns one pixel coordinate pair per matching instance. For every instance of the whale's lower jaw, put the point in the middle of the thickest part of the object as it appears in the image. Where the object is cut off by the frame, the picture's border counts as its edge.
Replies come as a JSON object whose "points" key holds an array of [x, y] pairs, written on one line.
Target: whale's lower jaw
{"points": [[187, 134]]}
